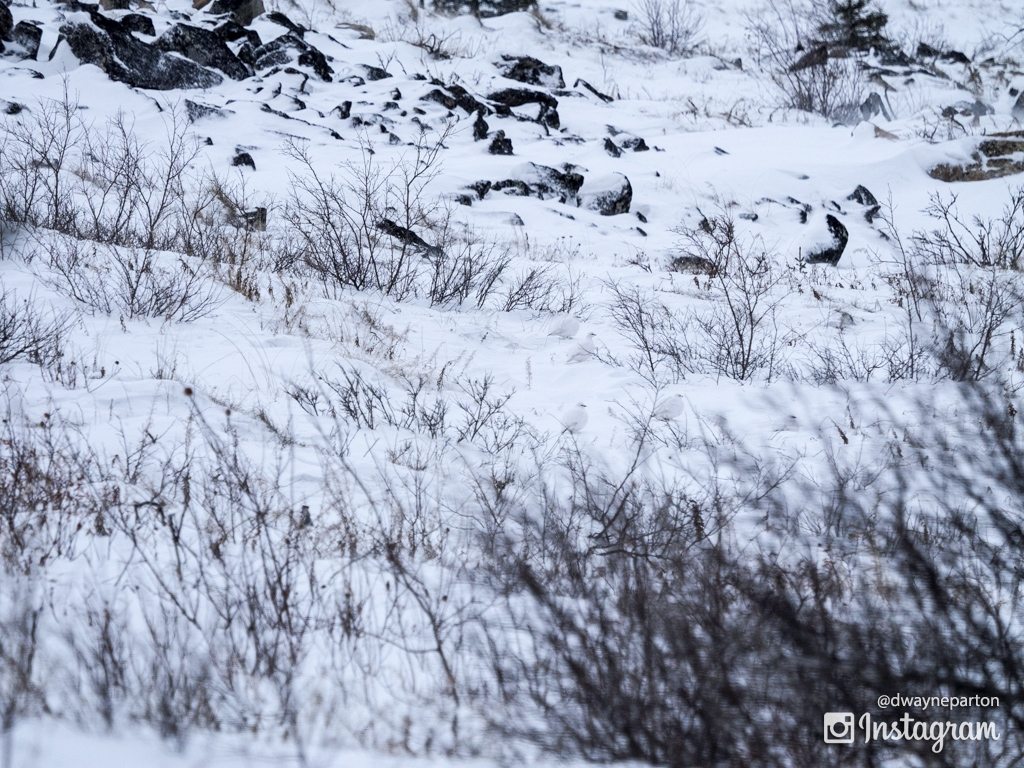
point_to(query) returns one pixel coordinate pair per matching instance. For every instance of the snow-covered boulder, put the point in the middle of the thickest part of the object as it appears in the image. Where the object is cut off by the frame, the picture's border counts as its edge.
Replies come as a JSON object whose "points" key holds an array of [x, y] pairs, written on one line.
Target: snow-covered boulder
{"points": [[609, 195]]}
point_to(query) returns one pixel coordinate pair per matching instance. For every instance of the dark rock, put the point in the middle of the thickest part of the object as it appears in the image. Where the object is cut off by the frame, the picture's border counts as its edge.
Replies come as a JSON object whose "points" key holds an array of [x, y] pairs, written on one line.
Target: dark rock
{"points": [[621, 15], [641, 217], [231, 31], [531, 71], [203, 46], [242, 11], [518, 97], [481, 188], [6, 22], [343, 110], [720, 151], [28, 36], [611, 148], [831, 253], [694, 264], [284, 49], [636, 143], [480, 127], [396, 95], [545, 183], [1018, 108], [609, 196], [375, 73], [197, 111], [500, 145], [925, 51], [874, 106], [243, 160], [137, 22], [580, 83], [484, 8], [956, 57], [454, 96], [283, 21], [108, 45], [862, 195]]}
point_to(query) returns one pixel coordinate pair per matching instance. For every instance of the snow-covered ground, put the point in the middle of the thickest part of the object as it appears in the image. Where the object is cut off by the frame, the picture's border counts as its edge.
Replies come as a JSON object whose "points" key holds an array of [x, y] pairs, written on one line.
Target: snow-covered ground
{"points": [[374, 419]]}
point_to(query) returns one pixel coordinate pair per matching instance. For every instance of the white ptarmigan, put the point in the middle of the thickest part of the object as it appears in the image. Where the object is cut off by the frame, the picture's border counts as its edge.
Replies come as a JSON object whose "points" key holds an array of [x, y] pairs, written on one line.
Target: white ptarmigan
{"points": [[670, 408], [564, 326], [584, 350], [574, 419]]}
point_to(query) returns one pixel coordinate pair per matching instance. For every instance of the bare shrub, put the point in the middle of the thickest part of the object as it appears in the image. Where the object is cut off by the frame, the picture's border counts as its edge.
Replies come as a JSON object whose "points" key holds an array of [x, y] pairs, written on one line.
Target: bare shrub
{"points": [[131, 282], [672, 25], [28, 333], [741, 335], [831, 87]]}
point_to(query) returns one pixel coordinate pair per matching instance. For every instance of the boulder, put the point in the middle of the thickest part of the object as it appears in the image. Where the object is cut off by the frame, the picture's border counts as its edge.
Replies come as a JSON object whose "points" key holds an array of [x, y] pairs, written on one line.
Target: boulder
{"points": [[110, 46], [138, 23], [831, 252], [500, 144], [6, 22], [243, 160], [197, 111], [862, 195], [484, 8], [518, 97], [608, 195], [531, 71], [611, 148], [453, 96], [242, 11], [543, 182], [1018, 108], [287, 48], [480, 127], [203, 46], [28, 36]]}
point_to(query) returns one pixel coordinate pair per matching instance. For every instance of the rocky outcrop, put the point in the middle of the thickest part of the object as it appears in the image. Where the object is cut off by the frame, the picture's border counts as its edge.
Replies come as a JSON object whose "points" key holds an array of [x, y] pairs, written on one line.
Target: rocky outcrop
{"points": [[544, 183], [290, 48], [242, 11], [531, 71], [831, 252], [997, 155], [508, 98], [203, 46], [484, 8], [27, 36], [109, 45], [500, 144], [608, 195]]}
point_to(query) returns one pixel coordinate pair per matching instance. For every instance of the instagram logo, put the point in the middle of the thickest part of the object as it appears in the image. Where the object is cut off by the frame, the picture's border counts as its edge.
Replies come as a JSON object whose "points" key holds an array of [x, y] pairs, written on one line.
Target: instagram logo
{"points": [[839, 727]]}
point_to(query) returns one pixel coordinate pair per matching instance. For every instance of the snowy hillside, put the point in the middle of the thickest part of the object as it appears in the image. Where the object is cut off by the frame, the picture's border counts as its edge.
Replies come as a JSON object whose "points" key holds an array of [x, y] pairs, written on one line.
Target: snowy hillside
{"points": [[418, 384]]}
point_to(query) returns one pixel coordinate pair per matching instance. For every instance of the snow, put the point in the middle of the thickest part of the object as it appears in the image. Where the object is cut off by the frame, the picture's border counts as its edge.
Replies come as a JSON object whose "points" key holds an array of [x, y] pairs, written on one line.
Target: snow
{"points": [[719, 142]]}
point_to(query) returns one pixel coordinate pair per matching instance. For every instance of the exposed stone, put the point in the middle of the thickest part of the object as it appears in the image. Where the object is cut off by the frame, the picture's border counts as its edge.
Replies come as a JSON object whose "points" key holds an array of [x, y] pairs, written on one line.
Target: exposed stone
{"points": [[243, 160], [531, 71], [6, 22], [203, 46], [375, 73], [544, 182], [609, 195], [197, 111], [137, 22], [242, 11], [862, 195], [580, 83], [831, 253], [110, 46], [500, 145], [611, 148], [28, 36], [480, 127], [518, 97], [285, 49], [484, 8]]}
